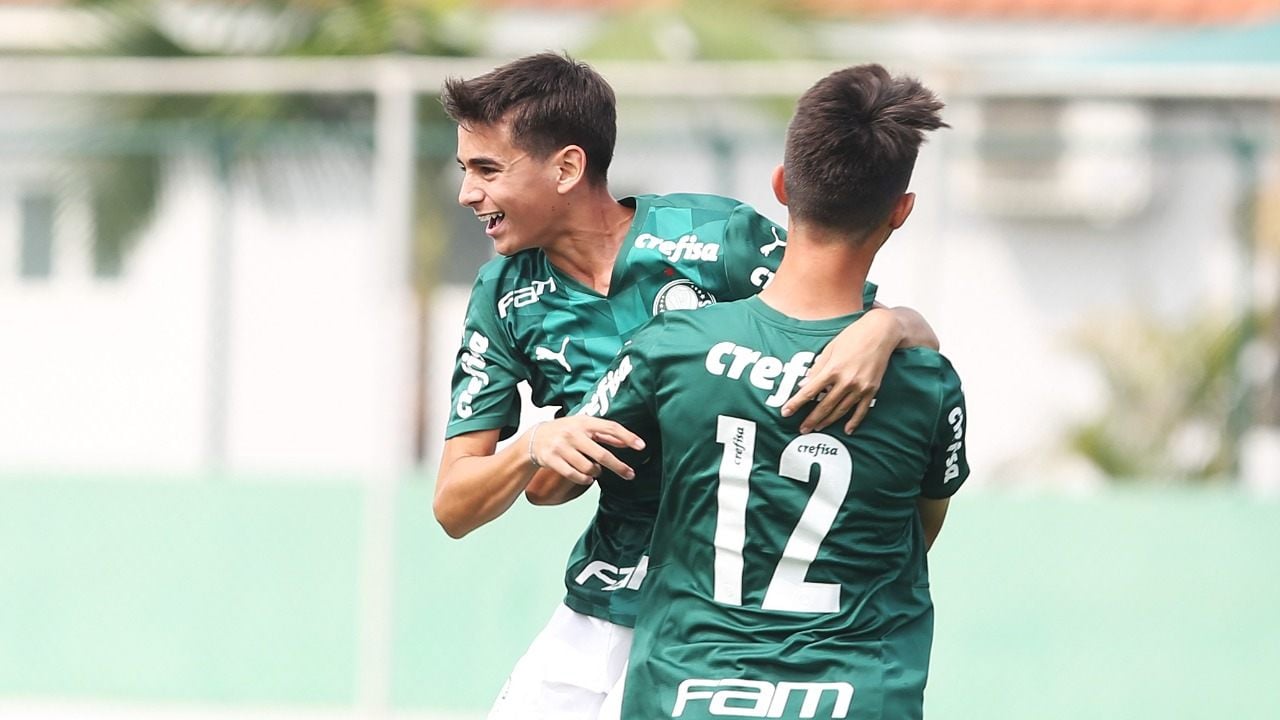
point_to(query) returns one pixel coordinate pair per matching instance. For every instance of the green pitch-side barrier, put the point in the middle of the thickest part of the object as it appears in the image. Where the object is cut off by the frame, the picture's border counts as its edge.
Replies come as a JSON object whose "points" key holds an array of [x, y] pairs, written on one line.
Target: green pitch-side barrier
{"points": [[231, 593]]}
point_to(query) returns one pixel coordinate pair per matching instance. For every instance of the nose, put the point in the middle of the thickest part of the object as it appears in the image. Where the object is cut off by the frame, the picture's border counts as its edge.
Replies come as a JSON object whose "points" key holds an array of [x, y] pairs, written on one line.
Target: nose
{"points": [[468, 193]]}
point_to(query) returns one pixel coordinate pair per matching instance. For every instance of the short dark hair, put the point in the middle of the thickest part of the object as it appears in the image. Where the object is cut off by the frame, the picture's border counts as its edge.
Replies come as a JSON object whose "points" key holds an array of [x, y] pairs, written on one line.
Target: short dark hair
{"points": [[852, 145], [551, 101]]}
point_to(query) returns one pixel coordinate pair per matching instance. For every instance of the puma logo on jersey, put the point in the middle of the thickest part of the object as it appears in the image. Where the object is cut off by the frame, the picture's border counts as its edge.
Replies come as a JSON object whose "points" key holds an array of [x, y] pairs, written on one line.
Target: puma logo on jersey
{"points": [[730, 360], [525, 295], [614, 577], [956, 418], [686, 248], [606, 389], [762, 699], [472, 363], [777, 243], [541, 353]]}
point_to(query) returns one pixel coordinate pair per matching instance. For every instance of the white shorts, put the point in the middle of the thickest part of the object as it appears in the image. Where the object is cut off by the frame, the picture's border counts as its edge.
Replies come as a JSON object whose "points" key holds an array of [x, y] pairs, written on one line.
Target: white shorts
{"points": [[611, 709], [568, 670]]}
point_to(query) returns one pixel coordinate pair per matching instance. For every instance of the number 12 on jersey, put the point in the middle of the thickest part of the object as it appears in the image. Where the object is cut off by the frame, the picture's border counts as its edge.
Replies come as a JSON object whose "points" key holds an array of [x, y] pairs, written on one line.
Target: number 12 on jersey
{"points": [[788, 591]]}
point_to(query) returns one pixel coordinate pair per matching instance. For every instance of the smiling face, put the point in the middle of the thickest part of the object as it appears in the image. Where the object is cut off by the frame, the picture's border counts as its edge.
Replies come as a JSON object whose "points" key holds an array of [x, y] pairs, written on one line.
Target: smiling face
{"points": [[512, 192]]}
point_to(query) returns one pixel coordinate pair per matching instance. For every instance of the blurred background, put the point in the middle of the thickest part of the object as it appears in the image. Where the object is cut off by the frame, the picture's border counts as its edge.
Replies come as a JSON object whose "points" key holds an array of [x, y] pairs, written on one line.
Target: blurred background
{"points": [[233, 274]]}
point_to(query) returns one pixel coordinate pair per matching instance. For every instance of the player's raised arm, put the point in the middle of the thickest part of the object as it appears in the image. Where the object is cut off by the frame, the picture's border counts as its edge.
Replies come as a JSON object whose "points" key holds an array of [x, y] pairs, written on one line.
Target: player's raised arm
{"points": [[850, 368]]}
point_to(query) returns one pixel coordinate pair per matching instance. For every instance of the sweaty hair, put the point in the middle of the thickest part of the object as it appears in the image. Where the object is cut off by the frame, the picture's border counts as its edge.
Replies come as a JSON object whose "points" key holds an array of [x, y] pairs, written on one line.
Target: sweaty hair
{"points": [[550, 100], [852, 145]]}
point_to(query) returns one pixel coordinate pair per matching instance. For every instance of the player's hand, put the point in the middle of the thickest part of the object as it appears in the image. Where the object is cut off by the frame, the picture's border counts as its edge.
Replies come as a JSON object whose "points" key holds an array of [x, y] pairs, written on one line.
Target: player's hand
{"points": [[846, 375], [571, 446]]}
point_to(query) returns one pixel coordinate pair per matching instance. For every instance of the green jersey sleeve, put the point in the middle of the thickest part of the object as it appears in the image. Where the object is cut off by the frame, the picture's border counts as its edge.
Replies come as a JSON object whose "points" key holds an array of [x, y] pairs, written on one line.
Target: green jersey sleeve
{"points": [[948, 464], [753, 246], [484, 394], [753, 249]]}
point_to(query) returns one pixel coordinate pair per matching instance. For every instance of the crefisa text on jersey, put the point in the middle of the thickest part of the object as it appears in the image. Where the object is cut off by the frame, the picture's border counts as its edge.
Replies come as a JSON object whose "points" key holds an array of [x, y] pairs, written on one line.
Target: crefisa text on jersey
{"points": [[956, 418], [731, 360], [761, 698], [606, 389], [472, 363], [686, 248]]}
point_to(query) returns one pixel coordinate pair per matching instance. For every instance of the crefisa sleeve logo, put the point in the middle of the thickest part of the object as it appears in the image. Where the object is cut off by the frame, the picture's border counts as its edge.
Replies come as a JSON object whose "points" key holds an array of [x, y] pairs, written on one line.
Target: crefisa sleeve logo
{"points": [[472, 363], [606, 389], [956, 419], [682, 294]]}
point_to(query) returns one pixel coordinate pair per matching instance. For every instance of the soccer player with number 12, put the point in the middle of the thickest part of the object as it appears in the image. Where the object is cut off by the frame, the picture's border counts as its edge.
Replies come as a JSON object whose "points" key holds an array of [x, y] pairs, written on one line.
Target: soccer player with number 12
{"points": [[787, 573]]}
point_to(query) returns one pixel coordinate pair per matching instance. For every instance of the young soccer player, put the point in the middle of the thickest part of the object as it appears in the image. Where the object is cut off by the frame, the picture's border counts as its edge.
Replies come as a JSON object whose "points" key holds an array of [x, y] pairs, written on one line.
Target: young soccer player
{"points": [[787, 573], [579, 272]]}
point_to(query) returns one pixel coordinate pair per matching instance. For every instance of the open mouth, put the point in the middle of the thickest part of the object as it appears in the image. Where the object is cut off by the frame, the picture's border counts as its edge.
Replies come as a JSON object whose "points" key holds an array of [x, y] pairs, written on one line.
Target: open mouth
{"points": [[491, 220]]}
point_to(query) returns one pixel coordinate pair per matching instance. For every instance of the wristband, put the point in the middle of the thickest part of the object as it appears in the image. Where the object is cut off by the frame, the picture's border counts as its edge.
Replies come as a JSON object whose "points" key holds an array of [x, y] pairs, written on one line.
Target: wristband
{"points": [[533, 431]]}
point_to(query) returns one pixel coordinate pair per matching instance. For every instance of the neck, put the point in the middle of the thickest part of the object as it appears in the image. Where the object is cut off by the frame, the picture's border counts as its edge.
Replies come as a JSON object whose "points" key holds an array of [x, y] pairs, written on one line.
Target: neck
{"points": [[821, 275], [593, 226]]}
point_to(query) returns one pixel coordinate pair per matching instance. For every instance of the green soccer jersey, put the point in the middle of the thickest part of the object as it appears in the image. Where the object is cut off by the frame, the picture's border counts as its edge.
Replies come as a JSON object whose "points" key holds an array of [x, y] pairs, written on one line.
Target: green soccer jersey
{"points": [[787, 574], [526, 321]]}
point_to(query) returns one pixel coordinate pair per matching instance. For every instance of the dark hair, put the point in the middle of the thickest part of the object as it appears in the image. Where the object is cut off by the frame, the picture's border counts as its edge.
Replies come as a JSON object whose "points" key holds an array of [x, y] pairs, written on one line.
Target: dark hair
{"points": [[852, 145], [550, 100]]}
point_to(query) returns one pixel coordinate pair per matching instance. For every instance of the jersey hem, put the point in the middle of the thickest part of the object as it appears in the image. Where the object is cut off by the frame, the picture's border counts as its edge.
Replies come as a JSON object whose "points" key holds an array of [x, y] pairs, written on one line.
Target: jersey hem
{"points": [[590, 609], [479, 424]]}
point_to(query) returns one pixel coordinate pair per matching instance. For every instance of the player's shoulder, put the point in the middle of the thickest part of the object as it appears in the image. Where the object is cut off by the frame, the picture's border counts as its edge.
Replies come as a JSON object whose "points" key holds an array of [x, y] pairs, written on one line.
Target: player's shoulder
{"points": [[693, 201], [927, 364], [919, 357], [698, 210]]}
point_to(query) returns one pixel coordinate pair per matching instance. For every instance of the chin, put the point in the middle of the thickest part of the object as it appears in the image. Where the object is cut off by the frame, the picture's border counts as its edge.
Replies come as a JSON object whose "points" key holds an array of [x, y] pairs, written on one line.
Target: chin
{"points": [[507, 248]]}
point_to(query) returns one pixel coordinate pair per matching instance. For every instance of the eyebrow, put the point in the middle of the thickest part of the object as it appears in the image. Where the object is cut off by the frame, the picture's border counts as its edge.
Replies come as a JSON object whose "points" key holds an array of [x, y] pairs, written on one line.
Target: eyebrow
{"points": [[479, 160]]}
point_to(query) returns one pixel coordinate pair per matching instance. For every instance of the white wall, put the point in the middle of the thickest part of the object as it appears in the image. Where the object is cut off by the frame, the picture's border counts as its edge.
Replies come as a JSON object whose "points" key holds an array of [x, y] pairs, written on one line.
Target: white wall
{"points": [[114, 375], [99, 374]]}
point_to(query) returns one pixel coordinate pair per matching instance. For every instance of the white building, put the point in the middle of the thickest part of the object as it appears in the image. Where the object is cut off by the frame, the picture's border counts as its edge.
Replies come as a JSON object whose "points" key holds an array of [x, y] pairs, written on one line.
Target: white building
{"points": [[250, 335]]}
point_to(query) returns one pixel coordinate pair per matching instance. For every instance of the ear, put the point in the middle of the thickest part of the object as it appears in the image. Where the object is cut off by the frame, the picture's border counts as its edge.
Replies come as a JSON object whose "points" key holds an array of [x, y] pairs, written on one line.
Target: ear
{"points": [[570, 167], [901, 210], [778, 181]]}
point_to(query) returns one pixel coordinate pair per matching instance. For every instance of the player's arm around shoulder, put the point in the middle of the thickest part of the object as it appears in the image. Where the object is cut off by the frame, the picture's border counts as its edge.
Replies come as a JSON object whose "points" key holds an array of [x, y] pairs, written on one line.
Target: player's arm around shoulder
{"points": [[852, 366], [916, 331]]}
